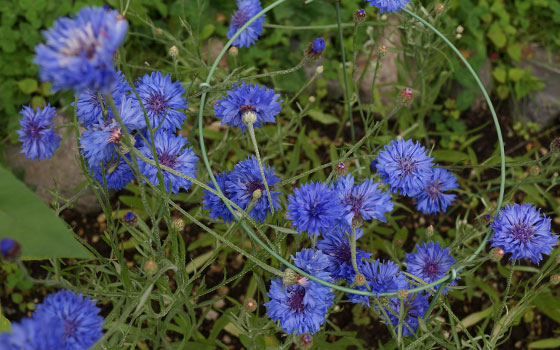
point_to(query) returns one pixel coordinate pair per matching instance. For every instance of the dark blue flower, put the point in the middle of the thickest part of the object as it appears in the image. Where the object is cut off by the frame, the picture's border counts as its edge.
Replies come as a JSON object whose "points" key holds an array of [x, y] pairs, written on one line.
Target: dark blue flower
{"points": [[432, 200], [318, 46], [302, 307], [246, 9], [415, 305], [336, 246], [245, 179], [214, 203], [90, 109], [364, 201], [172, 151], [405, 166], [521, 230], [78, 53], [430, 262], [10, 249], [100, 142], [247, 98], [381, 277], [162, 100], [37, 333], [313, 208], [117, 173], [79, 315], [388, 5], [37, 132], [130, 217]]}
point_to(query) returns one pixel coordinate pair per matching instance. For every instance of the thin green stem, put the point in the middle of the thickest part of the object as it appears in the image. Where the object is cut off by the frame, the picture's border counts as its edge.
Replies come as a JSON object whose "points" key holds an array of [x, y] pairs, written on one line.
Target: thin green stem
{"points": [[353, 250], [258, 155]]}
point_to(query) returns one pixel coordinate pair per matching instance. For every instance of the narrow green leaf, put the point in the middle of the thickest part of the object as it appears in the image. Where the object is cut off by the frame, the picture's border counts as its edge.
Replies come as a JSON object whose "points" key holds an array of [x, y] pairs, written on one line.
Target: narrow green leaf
{"points": [[550, 343]]}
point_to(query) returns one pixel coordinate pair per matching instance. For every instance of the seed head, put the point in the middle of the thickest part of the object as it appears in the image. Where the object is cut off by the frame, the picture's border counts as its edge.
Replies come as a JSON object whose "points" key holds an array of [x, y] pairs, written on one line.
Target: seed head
{"points": [[496, 254]]}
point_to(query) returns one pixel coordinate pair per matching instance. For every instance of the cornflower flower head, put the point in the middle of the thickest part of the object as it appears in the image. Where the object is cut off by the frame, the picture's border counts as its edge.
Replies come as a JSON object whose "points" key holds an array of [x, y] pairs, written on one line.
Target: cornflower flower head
{"points": [[36, 333], [246, 9], [415, 305], [362, 202], [302, 307], [117, 173], [78, 53], [405, 167], [245, 179], [247, 98], [172, 152], [79, 316], [37, 133], [337, 248], [315, 48], [381, 277], [90, 104], [430, 262], [521, 230], [100, 142], [432, 200], [162, 99], [214, 203], [313, 208], [388, 5]]}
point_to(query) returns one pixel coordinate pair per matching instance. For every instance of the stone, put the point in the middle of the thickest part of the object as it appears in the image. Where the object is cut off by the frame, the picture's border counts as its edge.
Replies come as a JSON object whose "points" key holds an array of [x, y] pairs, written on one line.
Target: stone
{"points": [[62, 168]]}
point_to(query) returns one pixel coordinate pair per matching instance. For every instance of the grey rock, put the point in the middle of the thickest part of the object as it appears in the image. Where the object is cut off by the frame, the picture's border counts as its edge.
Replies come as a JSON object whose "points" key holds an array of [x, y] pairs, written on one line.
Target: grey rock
{"points": [[62, 169]]}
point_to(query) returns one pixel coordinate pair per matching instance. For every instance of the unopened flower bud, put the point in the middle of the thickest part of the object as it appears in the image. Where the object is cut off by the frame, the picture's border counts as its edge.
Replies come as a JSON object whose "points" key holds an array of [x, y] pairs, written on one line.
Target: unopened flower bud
{"points": [[359, 280], [249, 117], [405, 96], [311, 99], [341, 169], [315, 49], [233, 51], [555, 145], [381, 50], [384, 301], [10, 249], [496, 254], [173, 51], [257, 194], [150, 268], [384, 17], [158, 31], [359, 16], [130, 218], [534, 170], [398, 242], [555, 279], [319, 69], [178, 224], [402, 294], [290, 277], [458, 36], [357, 221], [123, 147], [306, 339], [460, 29], [250, 304], [430, 231], [440, 8]]}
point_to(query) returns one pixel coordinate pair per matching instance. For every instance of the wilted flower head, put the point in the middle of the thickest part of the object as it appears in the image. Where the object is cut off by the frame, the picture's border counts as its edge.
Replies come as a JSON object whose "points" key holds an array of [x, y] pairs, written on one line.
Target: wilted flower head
{"points": [[37, 133], [246, 9], [405, 166], [247, 98], [78, 53], [302, 308], [388, 5], [313, 208], [430, 262], [521, 230], [432, 200]]}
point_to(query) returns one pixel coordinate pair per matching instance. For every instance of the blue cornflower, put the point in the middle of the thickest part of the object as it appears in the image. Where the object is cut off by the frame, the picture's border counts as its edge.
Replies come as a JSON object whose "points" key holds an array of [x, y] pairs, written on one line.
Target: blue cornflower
{"points": [[248, 98], [37, 333], [388, 5], [90, 110], [79, 51], [313, 208], [416, 306], [214, 203], [100, 142], [405, 166], [117, 173], [362, 202], [82, 324], [162, 98], [432, 200], [430, 262], [37, 132], [381, 277], [172, 151], [336, 246], [318, 46], [10, 249], [521, 230], [302, 307], [246, 9], [245, 179]]}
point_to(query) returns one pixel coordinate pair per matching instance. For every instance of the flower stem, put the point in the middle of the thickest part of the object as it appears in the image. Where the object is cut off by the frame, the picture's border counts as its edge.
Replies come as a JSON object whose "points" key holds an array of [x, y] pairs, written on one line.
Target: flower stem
{"points": [[346, 86], [353, 250], [254, 141]]}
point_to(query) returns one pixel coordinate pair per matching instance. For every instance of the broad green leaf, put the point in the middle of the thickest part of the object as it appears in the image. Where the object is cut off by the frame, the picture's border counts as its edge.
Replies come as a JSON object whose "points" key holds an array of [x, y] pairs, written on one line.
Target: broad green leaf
{"points": [[28, 85], [550, 343], [515, 74], [322, 117], [466, 99], [514, 51], [500, 74], [25, 218], [474, 318], [497, 36], [5, 325], [207, 31]]}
